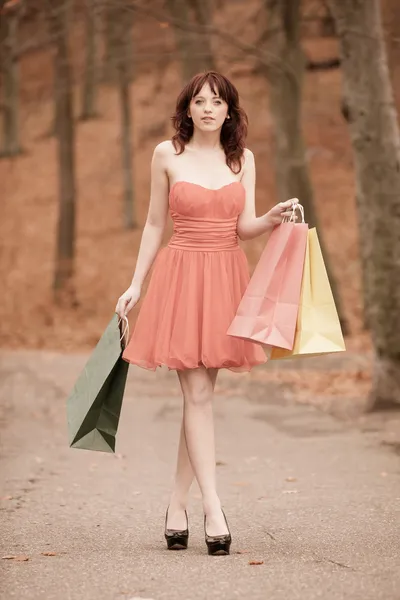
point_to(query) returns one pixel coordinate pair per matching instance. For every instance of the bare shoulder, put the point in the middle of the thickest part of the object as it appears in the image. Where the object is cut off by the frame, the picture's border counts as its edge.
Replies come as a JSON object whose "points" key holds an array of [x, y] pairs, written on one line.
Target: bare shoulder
{"points": [[248, 164], [248, 157], [164, 149]]}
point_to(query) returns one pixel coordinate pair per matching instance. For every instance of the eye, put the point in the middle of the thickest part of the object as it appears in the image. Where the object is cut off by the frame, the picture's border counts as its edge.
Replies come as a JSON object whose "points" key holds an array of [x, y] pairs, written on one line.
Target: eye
{"points": [[198, 102], [218, 102]]}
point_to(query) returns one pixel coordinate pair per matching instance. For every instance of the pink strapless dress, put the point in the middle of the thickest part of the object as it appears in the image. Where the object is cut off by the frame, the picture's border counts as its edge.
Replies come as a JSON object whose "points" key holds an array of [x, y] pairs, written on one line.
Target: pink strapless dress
{"points": [[196, 286]]}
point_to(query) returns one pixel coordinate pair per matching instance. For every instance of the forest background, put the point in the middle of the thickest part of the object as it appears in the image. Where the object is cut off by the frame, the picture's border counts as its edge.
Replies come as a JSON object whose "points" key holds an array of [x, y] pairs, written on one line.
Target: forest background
{"points": [[87, 91]]}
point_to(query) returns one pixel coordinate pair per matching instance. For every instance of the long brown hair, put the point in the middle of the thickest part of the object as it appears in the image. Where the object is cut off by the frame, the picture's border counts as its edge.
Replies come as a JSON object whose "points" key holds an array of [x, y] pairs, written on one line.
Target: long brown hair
{"points": [[234, 130]]}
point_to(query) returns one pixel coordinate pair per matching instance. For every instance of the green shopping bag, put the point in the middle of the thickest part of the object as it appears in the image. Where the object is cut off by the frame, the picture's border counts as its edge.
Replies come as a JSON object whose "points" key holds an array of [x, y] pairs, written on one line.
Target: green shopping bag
{"points": [[94, 405]]}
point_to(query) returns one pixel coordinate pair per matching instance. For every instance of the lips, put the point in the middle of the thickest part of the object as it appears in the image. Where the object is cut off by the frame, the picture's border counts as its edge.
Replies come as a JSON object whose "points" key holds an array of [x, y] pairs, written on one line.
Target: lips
{"points": [[207, 119]]}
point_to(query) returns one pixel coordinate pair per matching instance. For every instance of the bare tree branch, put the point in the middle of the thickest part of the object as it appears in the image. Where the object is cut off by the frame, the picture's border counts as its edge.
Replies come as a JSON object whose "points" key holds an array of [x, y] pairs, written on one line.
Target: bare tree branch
{"points": [[6, 5], [265, 57]]}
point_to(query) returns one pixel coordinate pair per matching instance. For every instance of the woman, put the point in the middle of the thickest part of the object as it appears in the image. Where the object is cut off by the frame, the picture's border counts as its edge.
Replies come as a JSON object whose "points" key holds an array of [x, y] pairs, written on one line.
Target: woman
{"points": [[206, 178]]}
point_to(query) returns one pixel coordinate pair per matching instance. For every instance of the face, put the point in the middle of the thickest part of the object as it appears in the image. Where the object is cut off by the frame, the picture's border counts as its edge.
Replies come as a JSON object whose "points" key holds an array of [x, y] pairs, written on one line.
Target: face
{"points": [[208, 110]]}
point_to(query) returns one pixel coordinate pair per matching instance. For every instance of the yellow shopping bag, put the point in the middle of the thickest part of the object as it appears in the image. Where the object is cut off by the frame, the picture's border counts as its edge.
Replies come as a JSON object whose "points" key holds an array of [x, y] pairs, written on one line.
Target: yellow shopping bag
{"points": [[318, 328]]}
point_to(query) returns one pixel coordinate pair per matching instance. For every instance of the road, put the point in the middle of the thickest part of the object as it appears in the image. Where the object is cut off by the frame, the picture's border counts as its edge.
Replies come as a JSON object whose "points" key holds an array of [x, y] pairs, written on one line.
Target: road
{"points": [[313, 499]]}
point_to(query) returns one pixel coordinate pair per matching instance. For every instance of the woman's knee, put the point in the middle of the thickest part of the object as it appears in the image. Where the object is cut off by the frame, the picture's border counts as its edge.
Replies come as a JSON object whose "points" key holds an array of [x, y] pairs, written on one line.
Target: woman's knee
{"points": [[197, 389], [199, 397]]}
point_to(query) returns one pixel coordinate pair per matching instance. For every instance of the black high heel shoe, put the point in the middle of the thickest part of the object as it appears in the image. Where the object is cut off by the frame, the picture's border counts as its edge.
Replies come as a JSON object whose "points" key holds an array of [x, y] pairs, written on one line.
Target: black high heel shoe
{"points": [[218, 545], [177, 539]]}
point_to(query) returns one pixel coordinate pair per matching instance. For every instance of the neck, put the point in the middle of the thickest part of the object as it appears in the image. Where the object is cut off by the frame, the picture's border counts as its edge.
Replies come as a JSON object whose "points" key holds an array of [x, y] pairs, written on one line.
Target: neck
{"points": [[204, 140]]}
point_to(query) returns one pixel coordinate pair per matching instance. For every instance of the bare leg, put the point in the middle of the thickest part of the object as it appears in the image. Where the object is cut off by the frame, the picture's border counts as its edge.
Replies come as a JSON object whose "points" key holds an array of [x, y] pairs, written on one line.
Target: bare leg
{"points": [[198, 421], [184, 475]]}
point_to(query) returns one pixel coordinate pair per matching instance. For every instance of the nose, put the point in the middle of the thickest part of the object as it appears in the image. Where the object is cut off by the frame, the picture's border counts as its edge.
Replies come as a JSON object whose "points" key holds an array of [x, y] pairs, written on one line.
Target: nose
{"points": [[207, 109]]}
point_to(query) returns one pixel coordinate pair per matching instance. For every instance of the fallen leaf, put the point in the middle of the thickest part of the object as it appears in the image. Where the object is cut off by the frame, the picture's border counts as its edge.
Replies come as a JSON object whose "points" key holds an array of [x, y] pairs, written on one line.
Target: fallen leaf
{"points": [[242, 551], [221, 463], [256, 562], [19, 557], [49, 553], [262, 498], [289, 491], [291, 478], [7, 497]]}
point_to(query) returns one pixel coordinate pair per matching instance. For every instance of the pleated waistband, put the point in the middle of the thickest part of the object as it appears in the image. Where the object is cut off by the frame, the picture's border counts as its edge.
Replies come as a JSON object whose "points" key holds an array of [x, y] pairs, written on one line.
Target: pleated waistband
{"points": [[206, 235]]}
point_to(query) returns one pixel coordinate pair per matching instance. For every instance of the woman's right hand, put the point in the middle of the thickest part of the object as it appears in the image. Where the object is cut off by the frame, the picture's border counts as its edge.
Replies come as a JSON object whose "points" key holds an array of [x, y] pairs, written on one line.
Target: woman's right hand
{"points": [[128, 300]]}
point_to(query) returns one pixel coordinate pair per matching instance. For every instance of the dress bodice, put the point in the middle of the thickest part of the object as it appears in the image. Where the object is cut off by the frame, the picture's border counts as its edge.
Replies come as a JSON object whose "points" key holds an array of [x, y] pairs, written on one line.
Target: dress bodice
{"points": [[205, 219]]}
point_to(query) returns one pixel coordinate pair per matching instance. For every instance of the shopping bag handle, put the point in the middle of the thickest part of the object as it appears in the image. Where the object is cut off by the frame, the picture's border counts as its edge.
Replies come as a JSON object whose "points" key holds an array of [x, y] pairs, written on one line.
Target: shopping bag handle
{"points": [[125, 331], [291, 219]]}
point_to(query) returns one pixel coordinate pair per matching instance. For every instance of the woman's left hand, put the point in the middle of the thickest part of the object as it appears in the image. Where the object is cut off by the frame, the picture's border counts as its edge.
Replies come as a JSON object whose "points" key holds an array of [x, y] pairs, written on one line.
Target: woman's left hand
{"points": [[281, 210]]}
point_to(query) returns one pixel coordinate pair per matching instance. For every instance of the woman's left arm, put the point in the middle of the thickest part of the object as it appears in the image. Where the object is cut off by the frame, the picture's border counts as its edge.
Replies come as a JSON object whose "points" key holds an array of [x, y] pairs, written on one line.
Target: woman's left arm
{"points": [[249, 226]]}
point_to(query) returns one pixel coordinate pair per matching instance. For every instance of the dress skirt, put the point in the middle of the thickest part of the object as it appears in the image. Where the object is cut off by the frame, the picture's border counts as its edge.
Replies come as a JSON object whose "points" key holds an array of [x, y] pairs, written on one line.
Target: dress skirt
{"points": [[195, 288]]}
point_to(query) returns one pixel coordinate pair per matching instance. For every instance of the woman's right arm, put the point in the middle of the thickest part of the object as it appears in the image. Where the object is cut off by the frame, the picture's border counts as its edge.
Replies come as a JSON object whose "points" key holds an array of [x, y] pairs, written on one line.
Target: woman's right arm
{"points": [[153, 230]]}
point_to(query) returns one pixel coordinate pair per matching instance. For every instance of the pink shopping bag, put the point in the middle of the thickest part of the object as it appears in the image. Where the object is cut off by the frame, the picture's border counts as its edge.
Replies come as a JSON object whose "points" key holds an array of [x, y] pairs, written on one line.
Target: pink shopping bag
{"points": [[267, 313]]}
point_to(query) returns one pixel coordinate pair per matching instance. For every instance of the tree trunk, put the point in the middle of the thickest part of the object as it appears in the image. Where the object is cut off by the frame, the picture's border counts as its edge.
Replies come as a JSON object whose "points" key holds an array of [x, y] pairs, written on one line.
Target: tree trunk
{"points": [[113, 18], [110, 16], [184, 38], [391, 25], [123, 71], [10, 77], [203, 17], [376, 145], [194, 48], [64, 125], [90, 77], [285, 97]]}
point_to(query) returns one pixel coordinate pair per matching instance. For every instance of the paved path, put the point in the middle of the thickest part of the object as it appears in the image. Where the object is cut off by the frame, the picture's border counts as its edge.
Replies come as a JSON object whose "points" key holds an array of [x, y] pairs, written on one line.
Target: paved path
{"points": [[314, 499]]}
